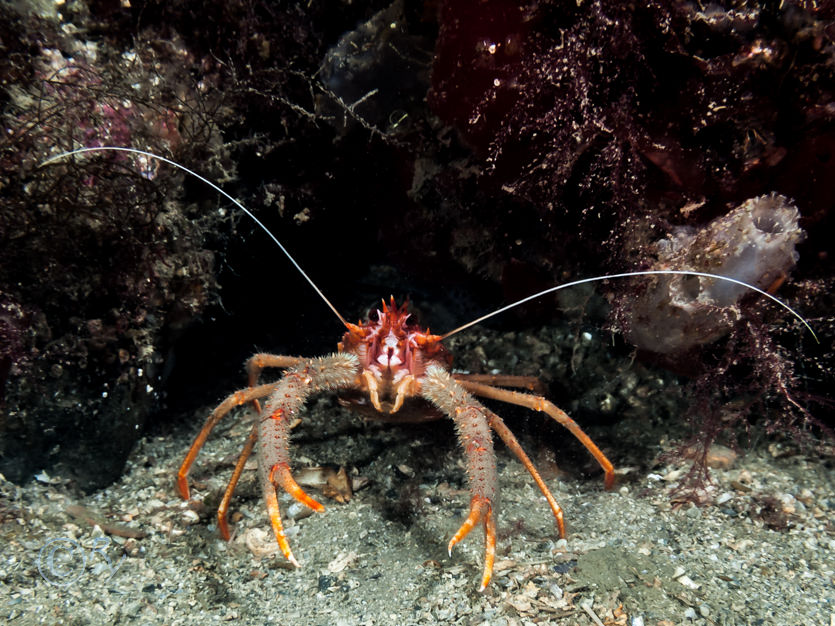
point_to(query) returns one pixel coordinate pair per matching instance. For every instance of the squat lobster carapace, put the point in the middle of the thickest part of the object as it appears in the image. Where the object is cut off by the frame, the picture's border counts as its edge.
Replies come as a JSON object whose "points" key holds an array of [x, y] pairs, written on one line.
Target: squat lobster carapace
{"points": [[392, 362]]}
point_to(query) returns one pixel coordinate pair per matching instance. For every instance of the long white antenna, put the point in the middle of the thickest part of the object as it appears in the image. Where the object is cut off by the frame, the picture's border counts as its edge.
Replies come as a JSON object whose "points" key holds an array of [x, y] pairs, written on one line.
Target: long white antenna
{"points": [[151, 155], [594, 279]]}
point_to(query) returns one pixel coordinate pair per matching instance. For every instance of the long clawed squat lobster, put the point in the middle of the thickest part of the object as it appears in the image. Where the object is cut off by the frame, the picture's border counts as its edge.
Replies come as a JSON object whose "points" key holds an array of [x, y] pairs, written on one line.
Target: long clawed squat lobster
{"points": [[392, 362]]}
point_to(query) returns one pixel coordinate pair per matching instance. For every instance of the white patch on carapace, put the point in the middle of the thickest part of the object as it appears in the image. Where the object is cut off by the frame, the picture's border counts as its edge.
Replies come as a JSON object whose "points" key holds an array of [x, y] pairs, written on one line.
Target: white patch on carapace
{"points": [[387, 361], [388, 352]]}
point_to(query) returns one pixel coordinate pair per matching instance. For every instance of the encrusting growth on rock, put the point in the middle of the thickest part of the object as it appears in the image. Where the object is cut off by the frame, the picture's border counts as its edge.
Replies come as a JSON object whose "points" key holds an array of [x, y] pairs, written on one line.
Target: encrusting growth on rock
{"points": [[754, 244]]}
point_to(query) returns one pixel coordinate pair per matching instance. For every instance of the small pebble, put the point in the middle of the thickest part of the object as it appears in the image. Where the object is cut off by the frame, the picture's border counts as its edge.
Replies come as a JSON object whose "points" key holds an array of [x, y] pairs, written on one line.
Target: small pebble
{"points": [[723, 498], [720, 457], [688, 582], [788, 503], [260, 542], [806, 496], [295, 509]]}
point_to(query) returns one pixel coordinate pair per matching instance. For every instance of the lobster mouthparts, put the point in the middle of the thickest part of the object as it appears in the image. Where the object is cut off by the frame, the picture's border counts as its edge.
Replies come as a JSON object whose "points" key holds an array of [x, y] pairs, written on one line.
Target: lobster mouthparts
{"points": [[393, 354]]}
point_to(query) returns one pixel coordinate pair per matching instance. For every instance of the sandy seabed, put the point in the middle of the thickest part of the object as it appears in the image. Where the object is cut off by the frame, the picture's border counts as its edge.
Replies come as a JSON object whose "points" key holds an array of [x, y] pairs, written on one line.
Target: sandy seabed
{"points": [[762, 552]]}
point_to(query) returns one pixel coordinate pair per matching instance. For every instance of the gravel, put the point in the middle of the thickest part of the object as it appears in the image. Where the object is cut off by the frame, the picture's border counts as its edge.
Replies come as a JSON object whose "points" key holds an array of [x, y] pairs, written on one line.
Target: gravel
{"points": [[760, 550]]}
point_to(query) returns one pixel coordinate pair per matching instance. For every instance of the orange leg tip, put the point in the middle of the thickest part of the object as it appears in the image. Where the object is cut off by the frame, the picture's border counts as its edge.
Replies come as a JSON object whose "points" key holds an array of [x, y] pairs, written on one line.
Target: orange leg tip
{"points": [[458, 537], [182, 487], [488, 570], [281, 475], [223, 527], [300, 496], [609, 481], [284, 546]]}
